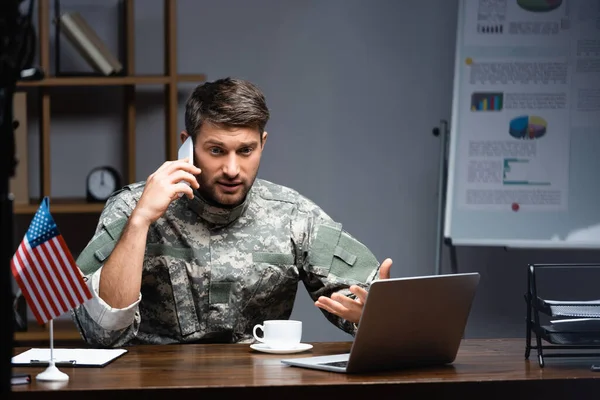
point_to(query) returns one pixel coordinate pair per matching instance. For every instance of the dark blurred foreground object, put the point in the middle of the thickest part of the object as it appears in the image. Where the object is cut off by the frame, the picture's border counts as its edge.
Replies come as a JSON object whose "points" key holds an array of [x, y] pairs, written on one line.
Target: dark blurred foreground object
{"points": [[17, 45]]}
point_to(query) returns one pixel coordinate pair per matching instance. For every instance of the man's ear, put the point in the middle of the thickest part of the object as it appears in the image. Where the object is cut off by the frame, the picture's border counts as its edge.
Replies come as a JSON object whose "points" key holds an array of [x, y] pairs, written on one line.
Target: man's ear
{"points": [[263, 140], [183, 135]]}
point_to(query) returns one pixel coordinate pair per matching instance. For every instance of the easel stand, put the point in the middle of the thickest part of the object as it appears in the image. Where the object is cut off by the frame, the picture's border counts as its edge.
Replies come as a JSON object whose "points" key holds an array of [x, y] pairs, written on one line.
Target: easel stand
{"points": [[443, 133], [575, 325], [453, 257]]}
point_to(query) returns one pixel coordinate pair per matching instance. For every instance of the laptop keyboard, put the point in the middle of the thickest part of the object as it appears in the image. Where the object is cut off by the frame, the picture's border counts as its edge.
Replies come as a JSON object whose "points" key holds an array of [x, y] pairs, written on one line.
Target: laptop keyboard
{"points": [[342, 364]]}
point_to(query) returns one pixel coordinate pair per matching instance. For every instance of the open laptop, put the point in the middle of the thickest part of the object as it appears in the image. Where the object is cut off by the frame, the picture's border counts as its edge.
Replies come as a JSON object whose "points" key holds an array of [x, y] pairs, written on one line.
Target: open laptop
{"points": [[406, 322]]}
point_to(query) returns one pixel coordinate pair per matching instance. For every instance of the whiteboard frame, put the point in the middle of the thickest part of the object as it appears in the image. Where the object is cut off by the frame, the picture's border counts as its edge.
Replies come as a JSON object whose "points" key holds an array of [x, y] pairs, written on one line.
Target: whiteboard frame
{"points": [[454, 122]]}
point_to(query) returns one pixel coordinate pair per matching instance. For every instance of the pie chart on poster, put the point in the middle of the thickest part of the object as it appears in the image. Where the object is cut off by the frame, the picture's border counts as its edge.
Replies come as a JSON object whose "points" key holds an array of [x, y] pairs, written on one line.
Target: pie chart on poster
{"points": [[528, 127], [539, 5]]}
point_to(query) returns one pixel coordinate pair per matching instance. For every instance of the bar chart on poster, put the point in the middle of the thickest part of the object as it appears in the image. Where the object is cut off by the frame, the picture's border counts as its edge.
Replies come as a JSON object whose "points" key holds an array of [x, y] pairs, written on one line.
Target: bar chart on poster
{"points": [[524, 147]]}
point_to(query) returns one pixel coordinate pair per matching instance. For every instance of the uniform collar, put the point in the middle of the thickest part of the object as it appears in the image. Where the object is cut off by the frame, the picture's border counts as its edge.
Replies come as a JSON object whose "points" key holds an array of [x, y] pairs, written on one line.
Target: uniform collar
{"points": [[216, 215]]}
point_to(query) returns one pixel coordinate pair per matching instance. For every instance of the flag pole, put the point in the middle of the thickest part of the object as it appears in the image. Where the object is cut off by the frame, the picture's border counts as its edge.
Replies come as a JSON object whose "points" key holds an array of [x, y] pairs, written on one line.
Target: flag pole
{"points": [[52, 373], [52, 339]]}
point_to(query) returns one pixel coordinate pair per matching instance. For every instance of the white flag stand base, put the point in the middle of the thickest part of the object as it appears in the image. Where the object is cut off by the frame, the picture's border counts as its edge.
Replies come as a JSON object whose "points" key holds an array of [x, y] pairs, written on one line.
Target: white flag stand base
{"points": [[52, 374]]}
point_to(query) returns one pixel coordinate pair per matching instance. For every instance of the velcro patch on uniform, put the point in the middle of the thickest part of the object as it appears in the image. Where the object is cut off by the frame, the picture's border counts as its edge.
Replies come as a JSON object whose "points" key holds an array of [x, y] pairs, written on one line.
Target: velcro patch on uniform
{"points": [[273, 258], [94, 254], [219, 292], [323, 244], [105, 251], [115, 228], [345, 255], [362, 264]]}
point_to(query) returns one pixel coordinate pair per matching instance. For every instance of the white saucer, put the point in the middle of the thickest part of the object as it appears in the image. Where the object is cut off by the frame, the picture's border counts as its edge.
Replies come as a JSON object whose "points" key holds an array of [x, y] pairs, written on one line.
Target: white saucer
{"points": [[266, 349]]}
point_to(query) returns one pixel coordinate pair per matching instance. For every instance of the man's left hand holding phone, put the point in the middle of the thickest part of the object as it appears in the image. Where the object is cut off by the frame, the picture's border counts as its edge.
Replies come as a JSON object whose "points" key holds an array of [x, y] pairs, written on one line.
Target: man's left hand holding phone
{"points": [[170, 181]]}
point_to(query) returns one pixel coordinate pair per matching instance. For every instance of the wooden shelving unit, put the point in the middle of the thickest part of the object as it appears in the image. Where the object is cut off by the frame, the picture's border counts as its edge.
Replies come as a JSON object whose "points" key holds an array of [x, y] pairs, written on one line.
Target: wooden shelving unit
{"points": [[128, 82], [61, 206], [108, 80]]}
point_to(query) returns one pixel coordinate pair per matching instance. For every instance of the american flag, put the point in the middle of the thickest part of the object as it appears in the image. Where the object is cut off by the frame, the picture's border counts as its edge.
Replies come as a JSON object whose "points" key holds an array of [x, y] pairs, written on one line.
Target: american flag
{"points": [[45, 270]]}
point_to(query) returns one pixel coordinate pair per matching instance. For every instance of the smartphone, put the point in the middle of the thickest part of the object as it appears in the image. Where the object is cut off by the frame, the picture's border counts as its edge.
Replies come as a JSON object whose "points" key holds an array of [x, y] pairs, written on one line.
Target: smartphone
{"points": [[186, 151]]}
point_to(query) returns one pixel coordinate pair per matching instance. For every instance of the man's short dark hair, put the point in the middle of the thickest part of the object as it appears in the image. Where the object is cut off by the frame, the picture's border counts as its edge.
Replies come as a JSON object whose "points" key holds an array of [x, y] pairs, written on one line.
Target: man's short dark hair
{"points": [[227, 102]]}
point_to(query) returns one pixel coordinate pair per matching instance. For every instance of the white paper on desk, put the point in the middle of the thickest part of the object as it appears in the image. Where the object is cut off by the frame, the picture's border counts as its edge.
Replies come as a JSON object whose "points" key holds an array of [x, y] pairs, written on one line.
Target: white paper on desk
{"points": [[73, 357]]}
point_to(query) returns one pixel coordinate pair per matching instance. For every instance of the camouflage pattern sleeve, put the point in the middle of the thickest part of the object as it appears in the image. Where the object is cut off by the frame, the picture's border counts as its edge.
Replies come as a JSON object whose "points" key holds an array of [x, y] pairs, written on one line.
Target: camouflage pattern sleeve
{"points": [[112, 219], [332, 260]]}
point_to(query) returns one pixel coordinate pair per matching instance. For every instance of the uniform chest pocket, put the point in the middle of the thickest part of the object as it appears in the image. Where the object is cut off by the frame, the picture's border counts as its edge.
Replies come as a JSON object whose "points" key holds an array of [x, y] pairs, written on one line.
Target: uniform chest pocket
{"points": [[172, 288]]}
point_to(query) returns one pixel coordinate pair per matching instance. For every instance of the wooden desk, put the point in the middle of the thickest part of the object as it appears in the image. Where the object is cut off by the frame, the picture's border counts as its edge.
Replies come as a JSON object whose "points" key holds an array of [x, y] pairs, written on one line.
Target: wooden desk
{"points": [[487, 369]]}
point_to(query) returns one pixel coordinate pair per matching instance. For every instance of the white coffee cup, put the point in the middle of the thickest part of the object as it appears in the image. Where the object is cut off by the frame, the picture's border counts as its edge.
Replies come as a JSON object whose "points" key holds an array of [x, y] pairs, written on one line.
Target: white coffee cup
{"points": [[279, 334]]}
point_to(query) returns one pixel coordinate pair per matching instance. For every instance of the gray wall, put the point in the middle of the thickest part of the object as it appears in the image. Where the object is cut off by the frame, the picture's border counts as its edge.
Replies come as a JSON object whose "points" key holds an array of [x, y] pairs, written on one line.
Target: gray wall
{"points": [[355, 88]]}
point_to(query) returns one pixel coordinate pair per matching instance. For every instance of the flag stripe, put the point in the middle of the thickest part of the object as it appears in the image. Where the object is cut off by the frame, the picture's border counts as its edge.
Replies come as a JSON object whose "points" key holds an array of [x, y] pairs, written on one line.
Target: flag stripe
{"points": [[64, 289], [50, 291], [74, 275], [29, 266], [66, 281], [57, 289], [19, 273], [31, 287]]}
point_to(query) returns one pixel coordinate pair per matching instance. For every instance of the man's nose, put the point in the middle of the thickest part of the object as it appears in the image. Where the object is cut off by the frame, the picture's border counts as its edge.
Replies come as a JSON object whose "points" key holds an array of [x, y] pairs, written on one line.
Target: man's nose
{"points": [[232, 166]]}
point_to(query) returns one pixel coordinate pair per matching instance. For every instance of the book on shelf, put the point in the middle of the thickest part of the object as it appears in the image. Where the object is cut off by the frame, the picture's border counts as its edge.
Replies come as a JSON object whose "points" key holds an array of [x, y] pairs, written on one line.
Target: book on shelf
{"points": [[81, 35]]}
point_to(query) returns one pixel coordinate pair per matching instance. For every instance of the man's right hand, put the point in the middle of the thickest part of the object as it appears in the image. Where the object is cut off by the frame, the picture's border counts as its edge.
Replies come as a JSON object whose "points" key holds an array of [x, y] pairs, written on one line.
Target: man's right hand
{"points": [[163, 186]]}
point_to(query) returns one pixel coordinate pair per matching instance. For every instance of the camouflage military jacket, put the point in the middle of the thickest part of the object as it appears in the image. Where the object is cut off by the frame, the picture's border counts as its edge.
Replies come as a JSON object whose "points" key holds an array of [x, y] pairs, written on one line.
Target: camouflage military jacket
{"points": [[211, 274]]}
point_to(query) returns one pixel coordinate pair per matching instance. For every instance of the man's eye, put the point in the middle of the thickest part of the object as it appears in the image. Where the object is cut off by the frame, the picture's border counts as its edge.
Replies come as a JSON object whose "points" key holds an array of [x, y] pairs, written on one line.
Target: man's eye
{"points": [[246, 150], [214, 150]]}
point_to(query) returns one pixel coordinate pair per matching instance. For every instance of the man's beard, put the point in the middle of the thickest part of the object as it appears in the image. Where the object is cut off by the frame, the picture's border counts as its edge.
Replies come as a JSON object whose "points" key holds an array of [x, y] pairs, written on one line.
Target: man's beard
{"points": [[211, 195]]}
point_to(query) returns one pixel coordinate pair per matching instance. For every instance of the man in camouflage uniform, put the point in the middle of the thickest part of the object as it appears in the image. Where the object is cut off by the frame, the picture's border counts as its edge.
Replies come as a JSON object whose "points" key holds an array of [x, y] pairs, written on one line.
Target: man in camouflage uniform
{"points": [[202, 252]]}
